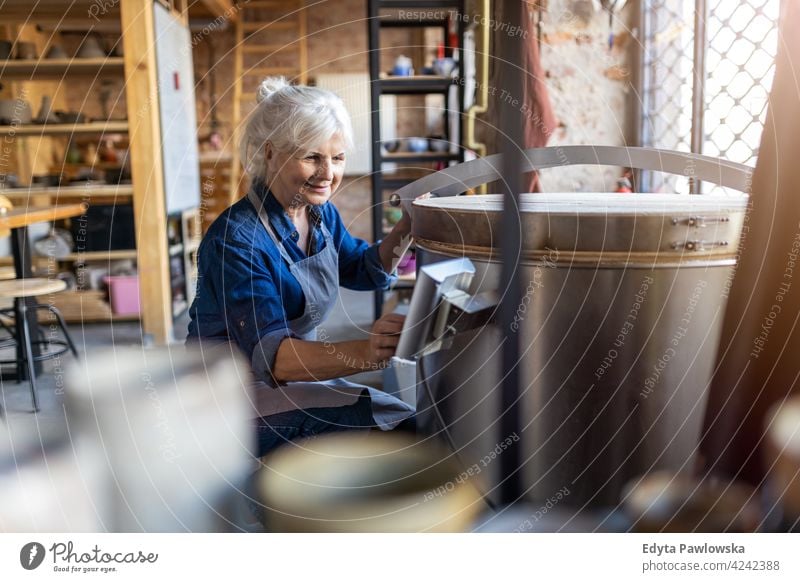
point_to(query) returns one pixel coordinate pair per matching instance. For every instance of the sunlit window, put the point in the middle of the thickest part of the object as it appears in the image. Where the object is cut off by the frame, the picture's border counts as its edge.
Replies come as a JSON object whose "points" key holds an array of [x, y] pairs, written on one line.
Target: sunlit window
{"points": [[736, 72]]}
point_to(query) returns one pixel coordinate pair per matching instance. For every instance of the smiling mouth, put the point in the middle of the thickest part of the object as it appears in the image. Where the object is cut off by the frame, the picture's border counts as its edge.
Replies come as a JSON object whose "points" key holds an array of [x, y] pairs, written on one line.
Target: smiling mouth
{"points": [[317, 188]]}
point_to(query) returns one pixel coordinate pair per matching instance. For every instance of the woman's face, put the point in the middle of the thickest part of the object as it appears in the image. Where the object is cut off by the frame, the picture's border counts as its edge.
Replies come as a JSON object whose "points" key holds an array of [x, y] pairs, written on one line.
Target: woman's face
{"points": [[310, 179]]}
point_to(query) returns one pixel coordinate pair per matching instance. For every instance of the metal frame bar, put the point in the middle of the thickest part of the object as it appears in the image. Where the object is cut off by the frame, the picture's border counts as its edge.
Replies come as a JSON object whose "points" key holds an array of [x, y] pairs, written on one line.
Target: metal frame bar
{"points": [[511, 125], [699, 85], [373, 10], [646, 23], [637, 104]]}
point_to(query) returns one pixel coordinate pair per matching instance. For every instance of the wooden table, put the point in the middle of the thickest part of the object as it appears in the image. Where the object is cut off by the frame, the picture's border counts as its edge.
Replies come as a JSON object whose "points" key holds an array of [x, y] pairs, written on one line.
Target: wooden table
{"points": [[18, 220]]}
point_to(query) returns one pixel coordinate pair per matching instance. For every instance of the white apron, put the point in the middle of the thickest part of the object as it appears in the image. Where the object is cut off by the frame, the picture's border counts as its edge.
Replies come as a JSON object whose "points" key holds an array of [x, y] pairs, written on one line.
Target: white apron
{"points": [[318, 276]]}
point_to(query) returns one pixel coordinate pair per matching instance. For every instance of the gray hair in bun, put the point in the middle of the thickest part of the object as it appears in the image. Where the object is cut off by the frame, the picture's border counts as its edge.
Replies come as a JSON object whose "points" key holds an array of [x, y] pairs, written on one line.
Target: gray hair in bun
{"points": [[292, 118]]}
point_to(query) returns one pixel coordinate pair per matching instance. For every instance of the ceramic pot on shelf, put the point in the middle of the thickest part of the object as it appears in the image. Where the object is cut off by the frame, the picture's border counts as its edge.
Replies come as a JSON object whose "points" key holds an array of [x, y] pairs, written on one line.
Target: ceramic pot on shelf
{"points": [[417, 144], [6, 49], [46, 114], [90, 49], [15, 112], [26, 51], [56, 52]]}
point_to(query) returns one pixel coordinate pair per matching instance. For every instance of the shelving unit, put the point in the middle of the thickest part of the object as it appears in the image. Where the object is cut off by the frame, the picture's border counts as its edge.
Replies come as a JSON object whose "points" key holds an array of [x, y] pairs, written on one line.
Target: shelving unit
{"points": [[147, 192], [406, 163], [78, 306]]}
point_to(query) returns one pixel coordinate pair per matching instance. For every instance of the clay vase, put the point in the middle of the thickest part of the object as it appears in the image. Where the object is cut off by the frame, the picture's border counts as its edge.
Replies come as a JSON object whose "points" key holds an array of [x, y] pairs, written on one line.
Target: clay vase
{"points": [[6, 47], [90, 49], [46, 114], [56, 52]]}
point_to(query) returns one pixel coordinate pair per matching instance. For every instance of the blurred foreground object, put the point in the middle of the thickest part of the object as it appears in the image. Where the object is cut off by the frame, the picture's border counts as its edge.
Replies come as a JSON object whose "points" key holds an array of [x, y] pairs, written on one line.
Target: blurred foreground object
{"points": [[663, 502], [41, 486], [371, 482], [757, 363], [783, 442], [166, 433]]}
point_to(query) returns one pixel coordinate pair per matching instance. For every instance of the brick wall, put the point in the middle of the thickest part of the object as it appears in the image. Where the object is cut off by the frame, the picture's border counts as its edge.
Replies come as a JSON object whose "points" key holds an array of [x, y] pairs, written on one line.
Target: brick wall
{"points": [[589, 85]]}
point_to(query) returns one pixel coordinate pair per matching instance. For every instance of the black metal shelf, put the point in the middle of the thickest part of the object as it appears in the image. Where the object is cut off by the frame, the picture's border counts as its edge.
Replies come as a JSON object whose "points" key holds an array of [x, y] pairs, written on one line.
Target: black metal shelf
{"points": [[419, 4], [389, 22], [417, 85], [419, 157]]}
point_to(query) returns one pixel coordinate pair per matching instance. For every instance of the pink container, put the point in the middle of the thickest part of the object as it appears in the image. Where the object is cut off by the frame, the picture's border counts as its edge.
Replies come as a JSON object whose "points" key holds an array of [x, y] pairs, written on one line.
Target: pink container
{"points": [[123, 293]]}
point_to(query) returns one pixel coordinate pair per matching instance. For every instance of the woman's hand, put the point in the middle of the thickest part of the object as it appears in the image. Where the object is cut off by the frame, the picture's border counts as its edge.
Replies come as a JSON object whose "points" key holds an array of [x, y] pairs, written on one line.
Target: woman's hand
{"points": [[403, 226], [384, 338], [398, 241]]}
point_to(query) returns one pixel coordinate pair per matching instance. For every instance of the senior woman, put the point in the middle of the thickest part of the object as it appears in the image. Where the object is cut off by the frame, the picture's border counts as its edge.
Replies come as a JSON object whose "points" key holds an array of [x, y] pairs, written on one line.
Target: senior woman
{"points": [[270, 268]]}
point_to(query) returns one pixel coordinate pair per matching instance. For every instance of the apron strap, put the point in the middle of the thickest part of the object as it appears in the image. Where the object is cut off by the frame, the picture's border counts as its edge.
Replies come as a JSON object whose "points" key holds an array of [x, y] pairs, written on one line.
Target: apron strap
{"points": [[262, 215]]}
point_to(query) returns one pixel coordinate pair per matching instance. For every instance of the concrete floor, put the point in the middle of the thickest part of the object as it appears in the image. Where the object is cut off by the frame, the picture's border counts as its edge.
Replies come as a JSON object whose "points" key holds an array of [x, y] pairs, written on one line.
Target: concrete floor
{"points": [[351, 319]]}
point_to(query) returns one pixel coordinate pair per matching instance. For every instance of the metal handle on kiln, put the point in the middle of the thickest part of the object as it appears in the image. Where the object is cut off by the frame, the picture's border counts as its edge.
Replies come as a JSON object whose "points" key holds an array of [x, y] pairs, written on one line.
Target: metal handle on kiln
{"points": [[457, 179]]}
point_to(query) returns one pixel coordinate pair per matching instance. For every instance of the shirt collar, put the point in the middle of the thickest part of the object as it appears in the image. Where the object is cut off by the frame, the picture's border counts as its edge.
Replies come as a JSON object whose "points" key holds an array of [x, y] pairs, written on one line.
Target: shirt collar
{"points": [[278, 219]]}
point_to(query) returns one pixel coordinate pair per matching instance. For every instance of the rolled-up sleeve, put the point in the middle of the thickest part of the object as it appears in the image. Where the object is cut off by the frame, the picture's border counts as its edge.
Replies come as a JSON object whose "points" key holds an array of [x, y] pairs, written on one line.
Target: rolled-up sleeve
{"points": [[264, 353], [254, 313], [360, 266]]}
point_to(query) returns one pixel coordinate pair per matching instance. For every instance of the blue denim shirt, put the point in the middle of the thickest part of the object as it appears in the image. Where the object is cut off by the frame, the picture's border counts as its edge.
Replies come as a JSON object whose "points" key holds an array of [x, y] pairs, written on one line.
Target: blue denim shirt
{"points": [[245, 292]]}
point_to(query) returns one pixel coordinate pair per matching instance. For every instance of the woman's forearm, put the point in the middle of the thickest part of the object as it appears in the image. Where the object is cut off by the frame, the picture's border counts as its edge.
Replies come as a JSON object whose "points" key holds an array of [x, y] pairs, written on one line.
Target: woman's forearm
{"points": [[299, 360]]}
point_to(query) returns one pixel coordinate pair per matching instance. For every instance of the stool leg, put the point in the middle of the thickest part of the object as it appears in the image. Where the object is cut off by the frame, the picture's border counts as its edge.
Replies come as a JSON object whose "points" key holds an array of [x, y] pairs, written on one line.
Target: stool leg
{"points": [[63, 327], [29, 355], [10, 314]]}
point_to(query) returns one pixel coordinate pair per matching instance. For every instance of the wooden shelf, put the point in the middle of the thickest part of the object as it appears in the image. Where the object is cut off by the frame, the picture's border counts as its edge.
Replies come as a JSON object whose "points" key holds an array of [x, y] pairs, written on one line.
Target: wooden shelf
{"points": [[76, 15], [61, 192], [92, 165], [80, 318], [269, 26], [215, 157], [100, 255], [64, 128], [49, 69]]}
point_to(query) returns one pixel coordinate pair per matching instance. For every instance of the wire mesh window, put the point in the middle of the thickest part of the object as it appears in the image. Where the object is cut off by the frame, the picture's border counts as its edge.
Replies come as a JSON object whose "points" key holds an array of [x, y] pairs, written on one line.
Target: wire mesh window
{"points": [[713, 102]]}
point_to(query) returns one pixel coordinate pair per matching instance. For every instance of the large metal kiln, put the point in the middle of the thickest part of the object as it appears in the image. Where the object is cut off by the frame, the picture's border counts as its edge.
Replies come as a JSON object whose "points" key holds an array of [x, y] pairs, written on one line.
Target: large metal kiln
{"points": [[618, 327]]}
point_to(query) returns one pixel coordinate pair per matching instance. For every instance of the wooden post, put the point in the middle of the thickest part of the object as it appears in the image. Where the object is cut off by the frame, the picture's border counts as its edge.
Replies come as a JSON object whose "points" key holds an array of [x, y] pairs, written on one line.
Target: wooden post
{"points": [[149, 200]]}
